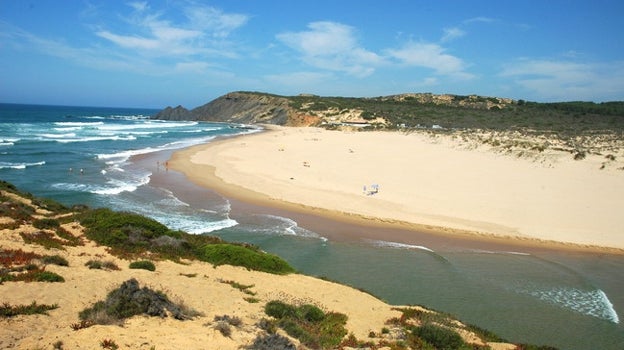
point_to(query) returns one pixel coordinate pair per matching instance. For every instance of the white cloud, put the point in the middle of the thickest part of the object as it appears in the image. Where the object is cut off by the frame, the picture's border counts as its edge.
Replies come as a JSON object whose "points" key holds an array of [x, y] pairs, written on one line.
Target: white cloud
{"points": [[480, 19], [568, 80], [332, 46], [218, 23], [452, 33], [430, 56], [202, 33]]}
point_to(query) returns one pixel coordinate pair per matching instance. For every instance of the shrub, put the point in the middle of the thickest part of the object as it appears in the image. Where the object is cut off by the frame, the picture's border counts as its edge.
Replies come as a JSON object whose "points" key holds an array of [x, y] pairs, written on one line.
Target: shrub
{"points": [[13, 257], [309, 324], [101, 265], [440, 337], [224, 328], [143, 264], [231, 320], [43, 238], [129, 300], [7, 310], [46, 223], [109, 344], [272, 342], [55, 260], [47, 276], [220, 254]]}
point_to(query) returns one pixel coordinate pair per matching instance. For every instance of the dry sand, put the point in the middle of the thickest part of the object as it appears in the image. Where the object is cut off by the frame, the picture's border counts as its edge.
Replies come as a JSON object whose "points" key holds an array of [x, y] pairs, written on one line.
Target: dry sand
{"points": [[424, 181]]}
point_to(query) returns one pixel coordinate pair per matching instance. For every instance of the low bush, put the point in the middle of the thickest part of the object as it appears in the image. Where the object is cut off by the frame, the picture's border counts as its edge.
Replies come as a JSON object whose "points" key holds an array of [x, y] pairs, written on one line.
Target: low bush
{"points": [[220, 254], [47, 276], [131, 235], [224, 328], [129, 300], [440, 337], [46, 239], [143, 265], [8, 310], [16, 257], [102, 265], [272, 342], [231, 320], [313, 327], [46, 223], [55, 260]]}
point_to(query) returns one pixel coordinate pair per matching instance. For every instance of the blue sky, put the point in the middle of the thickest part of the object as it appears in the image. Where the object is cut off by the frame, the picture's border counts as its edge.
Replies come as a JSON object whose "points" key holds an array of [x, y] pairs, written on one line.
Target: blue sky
{"points": [[160, 53]]}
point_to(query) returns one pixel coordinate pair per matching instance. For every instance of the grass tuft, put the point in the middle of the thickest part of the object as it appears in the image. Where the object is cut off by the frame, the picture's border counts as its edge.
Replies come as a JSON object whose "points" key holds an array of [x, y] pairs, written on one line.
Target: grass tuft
{"points": [[7, 310], [143, 265]]}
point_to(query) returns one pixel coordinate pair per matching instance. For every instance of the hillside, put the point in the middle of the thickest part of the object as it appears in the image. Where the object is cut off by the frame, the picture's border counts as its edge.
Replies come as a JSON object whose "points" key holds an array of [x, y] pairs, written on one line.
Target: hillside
{"points": [[410, 110], [87, 279], [509, 126]]}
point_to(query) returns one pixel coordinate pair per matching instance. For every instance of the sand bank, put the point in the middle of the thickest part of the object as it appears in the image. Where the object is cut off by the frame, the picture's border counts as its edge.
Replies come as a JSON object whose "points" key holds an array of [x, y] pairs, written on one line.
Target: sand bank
{"points": [[435, 182]]}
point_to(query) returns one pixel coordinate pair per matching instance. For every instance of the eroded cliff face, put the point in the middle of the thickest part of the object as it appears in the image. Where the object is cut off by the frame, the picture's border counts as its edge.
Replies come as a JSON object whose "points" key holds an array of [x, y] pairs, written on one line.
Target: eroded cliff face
{"points": [[242, 107]]}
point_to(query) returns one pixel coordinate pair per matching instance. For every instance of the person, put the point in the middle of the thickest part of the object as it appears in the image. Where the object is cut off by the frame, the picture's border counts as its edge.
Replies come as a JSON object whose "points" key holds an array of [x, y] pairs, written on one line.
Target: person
{"points": [[81, 171]]}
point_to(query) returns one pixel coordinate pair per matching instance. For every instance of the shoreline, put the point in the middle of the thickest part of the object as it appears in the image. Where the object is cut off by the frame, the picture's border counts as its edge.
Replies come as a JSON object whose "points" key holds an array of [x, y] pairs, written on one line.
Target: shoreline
{"points": [[192, 162]]}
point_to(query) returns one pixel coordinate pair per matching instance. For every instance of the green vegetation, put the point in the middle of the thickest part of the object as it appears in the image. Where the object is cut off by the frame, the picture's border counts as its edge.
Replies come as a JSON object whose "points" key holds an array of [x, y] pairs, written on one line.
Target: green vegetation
{"points": [[272, 342], [246, 256], [102, 265], [43, 238], [476, 112], [130, 235], [109, 344], [243, 288], [439, 337], [18, 265], [225, 322], [143, 265], [8, 310], [129, 300], [313, 327]]}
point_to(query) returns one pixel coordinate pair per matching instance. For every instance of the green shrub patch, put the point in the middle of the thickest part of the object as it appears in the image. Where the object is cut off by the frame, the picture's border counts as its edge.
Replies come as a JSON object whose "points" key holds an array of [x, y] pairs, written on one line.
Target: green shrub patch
{"points": [[313, 327], [129, 300], [143, 265], [131, 235], [8, 310], [220, 254]]}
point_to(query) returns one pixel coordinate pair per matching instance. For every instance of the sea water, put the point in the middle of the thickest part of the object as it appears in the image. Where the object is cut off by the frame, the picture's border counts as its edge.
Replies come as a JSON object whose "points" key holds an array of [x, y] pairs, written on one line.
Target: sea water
{"points": [[108, 157]]}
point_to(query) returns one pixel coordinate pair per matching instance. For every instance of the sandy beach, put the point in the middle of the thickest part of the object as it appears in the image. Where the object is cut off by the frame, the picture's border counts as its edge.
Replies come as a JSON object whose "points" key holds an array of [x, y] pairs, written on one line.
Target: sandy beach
{"points": [[421, 181]]}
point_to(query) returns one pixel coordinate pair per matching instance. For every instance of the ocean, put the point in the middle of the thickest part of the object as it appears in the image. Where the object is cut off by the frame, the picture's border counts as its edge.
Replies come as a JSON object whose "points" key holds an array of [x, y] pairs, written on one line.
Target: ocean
{"points": [[116, 157]]}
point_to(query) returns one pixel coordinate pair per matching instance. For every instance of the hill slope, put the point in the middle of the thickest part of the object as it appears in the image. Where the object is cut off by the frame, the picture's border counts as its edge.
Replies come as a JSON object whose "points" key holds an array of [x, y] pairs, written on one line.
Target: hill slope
{"points": [[412, 110], [54, 275]]}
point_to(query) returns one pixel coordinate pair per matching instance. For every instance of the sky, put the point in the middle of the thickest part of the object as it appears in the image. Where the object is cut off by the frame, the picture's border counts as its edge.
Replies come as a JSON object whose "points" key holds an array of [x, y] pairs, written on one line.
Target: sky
{"points": [[155, 54]]}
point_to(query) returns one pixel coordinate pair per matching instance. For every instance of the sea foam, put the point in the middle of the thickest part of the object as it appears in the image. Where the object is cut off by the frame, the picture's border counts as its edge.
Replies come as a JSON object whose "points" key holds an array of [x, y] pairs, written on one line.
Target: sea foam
{"points": [[588, 302], [399, 245], [4, 165]]}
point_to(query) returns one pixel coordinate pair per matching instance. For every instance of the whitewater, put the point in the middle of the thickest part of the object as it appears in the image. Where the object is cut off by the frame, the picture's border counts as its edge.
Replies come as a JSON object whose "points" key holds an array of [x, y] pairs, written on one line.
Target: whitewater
{"points": [[112, 157]]}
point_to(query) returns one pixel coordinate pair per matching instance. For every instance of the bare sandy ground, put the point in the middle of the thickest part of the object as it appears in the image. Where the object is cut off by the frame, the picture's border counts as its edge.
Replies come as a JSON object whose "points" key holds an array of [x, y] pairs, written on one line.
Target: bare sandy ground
{"points": [[423, 180]]}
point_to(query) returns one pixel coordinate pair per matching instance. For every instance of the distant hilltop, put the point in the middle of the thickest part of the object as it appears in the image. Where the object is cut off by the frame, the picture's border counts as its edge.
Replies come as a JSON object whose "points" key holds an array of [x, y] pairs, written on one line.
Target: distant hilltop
{"points": [[309, 109], [409, 110]]}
